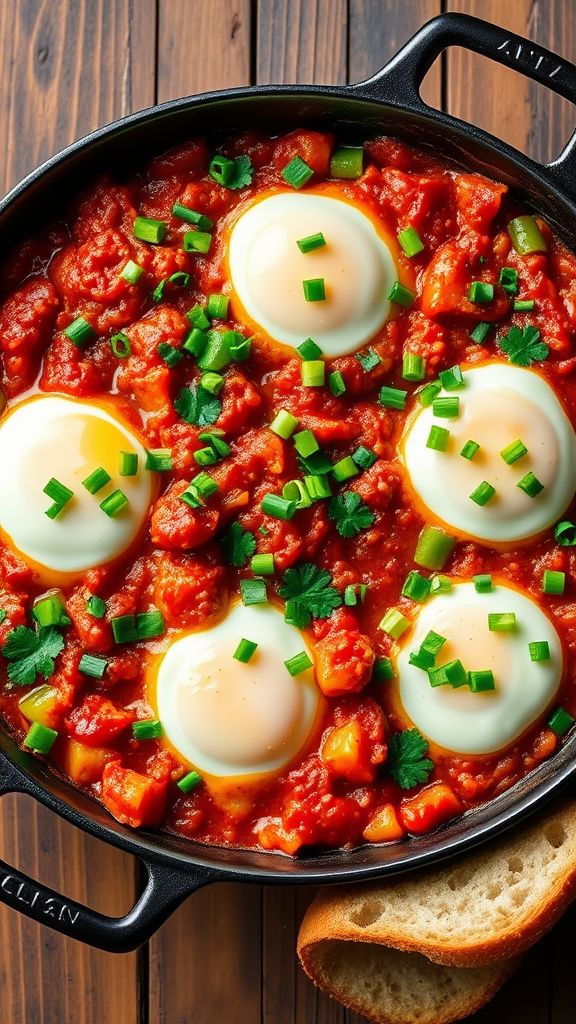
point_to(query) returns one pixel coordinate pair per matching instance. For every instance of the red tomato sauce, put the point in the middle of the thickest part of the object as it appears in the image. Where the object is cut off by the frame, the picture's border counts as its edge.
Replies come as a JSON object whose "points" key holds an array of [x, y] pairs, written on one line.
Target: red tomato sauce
{"points": [[338, 792]]}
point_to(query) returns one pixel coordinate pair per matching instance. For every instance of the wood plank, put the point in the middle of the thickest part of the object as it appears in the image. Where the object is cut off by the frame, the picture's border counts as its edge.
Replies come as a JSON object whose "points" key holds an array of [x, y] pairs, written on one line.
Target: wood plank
{"points": [[526, 114], [301, 41], [51, 56], [202, 45]]}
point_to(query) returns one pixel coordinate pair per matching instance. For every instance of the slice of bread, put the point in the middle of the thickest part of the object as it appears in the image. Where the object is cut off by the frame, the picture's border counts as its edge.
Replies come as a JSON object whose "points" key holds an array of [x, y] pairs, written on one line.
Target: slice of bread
{"points": [[484, 906], [391, 987]]}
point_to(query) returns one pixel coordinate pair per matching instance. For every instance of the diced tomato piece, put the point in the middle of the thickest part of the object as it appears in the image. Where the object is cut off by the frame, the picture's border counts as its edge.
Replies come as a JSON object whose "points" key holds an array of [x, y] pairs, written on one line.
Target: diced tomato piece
{"points": [[429, 808], [347, 751], [314, 148], [177, 526], [133, 798], [384, 826], [447, 280], [26, 321], [344, 663], [97, 721], [478, 200], [189, 589]]}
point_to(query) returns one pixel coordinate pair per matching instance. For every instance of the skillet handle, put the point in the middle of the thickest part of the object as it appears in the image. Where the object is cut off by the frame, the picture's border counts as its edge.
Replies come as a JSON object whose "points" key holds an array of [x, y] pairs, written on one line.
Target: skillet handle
{"points": [[165, 888], [399, 81]]}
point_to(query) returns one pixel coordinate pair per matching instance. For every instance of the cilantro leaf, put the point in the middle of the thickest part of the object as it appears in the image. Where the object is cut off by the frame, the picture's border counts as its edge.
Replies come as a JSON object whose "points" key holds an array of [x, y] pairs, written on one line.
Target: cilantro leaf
{"points": [[239, 545], [196, 405], [350, 513], [243, 171], [30, 653], [523, 345], [309, 594], [406, 762]]}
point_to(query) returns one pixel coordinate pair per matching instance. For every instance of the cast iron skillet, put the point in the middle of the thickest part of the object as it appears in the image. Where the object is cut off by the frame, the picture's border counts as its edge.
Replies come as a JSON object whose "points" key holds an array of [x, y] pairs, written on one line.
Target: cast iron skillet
{"points": [[389, 102]]}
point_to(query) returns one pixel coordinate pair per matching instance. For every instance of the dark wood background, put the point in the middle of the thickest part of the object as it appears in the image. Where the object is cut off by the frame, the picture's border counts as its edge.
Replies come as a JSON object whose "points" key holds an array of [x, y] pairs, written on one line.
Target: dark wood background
{"points": [[67, 66]]}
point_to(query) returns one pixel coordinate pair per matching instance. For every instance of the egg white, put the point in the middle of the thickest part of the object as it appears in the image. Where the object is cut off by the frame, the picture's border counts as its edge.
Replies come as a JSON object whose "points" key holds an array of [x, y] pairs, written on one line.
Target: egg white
{"points": [[498, 405], [227, 718], [47, 437], [267, 269], [480, 723]]}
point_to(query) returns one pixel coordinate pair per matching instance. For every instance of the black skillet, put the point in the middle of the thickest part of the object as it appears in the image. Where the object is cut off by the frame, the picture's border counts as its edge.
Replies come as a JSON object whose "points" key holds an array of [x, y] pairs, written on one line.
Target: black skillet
{"points": [[387, 103]]}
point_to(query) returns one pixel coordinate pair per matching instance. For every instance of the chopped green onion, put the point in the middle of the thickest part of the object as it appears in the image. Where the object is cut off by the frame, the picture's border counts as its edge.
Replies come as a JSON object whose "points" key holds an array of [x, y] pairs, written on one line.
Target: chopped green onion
{"points": [[481, 292], [347, 162], [413, 366], [452, 674], [513, 452], [262, 565], [305, 443], [353, 592], [124, 629], [180, 279], [501, 622], [284, 424], [433, 548], [49, 611], [169, 354], [132, 272], [147, 729], [149, 230], [368, 360], [480, 332], [205, 484], [482, 494], [297, 172], [482, 583], [253, 592], [421, 659], [214, 439], [509, 280], [239, 346], [553, 582], [114, 503], [438, 438], [416, 586], [410, 242], [336, 383], [311, 242], [189, 782], [205, 456], [433, 643], [59, 494], [197, 317], [150, 624], [401, 295], [428, 393], [192, 217], [539, 650], [96, 606], [345, 469], [196, 241], [452, 379], [298, 663], [469, 450], [524, 306], [314, 289], [318, 487], [40, 738], [216, 354], [530, 484], [446, 407], [245, 650], [212, 382], [221, 169], [296, 490], [560, 722], [128, 464], [526, 235], [394, 623], [96, 480], [158, 460], [92, 666], [196, 342], [278, 507], [80, 332], [364, 457], [313, 373], [392, 398], [217, 306], [309, 349], [440, 585], [565, 534], [319, 464], [121, 345], [158, 293], [481, 682], [383, 670]]}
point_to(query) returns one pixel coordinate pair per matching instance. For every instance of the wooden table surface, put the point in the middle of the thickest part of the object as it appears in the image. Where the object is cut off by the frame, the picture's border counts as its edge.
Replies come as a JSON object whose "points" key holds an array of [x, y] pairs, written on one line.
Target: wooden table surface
{"points": [[67, 66]]}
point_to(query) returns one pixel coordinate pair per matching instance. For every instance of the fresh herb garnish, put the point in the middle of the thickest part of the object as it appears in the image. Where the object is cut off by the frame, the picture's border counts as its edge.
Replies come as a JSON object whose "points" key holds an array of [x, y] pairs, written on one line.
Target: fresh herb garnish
{"points": [[238, 544], [523, 346], [309, 594], [242, 173], [350, 513], [30, 653], [196, 405], [368, 360], [406, 761]]}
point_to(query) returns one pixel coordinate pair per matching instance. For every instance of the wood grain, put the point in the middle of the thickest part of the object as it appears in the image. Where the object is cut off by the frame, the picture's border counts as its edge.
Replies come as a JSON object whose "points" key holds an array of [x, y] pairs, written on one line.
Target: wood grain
{"points": [[301, 41], [202, 45]]}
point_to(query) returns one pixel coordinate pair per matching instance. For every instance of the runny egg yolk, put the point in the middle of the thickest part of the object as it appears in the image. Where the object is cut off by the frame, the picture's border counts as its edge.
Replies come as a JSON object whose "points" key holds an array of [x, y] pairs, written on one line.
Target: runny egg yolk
{"points": [[497, 406], [51, 437], [267, 269], [227, 718], [456, 718]]}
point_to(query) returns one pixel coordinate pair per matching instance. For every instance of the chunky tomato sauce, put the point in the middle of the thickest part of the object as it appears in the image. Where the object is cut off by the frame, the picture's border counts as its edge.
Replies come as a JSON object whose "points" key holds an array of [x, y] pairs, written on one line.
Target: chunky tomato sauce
{"points": [[338, 792]]}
